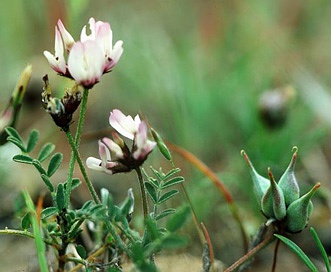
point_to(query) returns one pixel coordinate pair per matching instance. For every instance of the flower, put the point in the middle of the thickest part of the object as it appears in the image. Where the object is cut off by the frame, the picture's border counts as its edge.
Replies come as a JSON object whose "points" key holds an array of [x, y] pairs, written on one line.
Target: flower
{"points": [[90, 57], [104, 164], [115, 154]]}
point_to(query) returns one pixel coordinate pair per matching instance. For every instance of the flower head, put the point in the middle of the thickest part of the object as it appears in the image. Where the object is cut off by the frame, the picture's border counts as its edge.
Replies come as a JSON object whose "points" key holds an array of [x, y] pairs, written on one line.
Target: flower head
{"points": [[90, 57], [120, 158]]}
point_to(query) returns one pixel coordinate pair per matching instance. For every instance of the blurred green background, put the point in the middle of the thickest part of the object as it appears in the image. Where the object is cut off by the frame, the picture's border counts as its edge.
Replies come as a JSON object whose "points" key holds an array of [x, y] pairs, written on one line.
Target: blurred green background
{"points": [[197, 70]]}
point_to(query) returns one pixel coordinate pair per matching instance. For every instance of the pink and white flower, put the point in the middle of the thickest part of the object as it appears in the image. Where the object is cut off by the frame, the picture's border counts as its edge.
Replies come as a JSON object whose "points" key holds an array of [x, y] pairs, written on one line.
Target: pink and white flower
{"points": [[90, 57], [124, 159], [103, 164]]}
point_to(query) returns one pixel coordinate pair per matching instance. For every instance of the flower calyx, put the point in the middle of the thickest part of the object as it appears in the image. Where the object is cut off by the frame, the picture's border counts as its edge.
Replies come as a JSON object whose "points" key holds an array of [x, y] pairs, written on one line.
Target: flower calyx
{"points": [[280, 202], [61, 110]]}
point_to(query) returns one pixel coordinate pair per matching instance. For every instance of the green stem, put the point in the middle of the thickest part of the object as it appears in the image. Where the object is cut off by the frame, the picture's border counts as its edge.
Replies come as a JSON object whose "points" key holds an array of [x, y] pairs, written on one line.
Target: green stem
{"points": [[143, 192], [77, 142], [117, 238], [82, 167], [23, 233]]}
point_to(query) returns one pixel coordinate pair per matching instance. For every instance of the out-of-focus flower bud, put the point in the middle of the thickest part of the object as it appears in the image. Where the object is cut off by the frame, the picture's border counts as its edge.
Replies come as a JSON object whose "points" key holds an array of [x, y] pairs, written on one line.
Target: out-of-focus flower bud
{"points": [[274, 106], [9, 115]]}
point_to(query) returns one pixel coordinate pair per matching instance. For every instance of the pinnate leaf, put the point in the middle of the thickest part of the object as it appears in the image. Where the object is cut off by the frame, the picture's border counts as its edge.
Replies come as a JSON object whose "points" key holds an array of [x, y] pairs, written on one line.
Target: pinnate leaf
{"points": [[54, 164], [45, 151], [33, 139]]}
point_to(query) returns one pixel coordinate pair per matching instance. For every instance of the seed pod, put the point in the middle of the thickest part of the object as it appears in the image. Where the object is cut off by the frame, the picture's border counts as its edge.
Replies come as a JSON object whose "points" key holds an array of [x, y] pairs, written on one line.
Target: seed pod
{"points": [[288, 182], [261, 184], [299, 210], [273, 203], [161, 145]]}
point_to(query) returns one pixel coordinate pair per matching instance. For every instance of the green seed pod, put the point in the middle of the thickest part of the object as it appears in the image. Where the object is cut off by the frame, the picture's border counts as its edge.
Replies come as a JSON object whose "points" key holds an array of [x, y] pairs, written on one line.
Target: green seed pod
{"points": [[298, 212], [273, 202], [261, 184], [288, 182], [161, 145]]}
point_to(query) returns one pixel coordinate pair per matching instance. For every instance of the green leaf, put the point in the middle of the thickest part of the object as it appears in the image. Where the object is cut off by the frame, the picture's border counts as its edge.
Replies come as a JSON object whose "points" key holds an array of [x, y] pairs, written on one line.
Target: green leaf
{"points": [[159, 175], [171, 173], [87, 205], [152, 231], [151, 192], [38, 166], [54, 164], [165, 213], [81, 251], [13, 133], [172, 182], [104, 193], [178, 219], [17, 142], [75, 183], [167, 195], [26, 221], [23, 159], [60, 197], [32, 141], [47, 182], [45, 151], [321, 249], [298, 251], [174, 241], [47, 212]]}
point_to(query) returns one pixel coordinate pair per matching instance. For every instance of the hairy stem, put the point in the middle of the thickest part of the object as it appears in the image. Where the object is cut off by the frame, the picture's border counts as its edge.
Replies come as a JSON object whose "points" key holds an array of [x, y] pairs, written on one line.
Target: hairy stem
{"points": [[24, 233], [143, 192], [77, 142], [82, 167]]}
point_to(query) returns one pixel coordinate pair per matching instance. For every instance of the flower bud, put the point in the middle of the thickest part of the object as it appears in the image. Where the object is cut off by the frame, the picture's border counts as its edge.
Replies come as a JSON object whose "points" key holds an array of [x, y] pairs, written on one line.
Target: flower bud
{"points": [[261, 184], [288, 182], [273, 203], [299, 210]]}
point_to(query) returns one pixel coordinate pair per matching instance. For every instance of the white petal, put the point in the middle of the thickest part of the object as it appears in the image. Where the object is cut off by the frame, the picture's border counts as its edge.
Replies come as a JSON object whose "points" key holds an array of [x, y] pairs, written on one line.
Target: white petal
{"points": [[115, 148], [124, 125], [68, 40], [94, 163], [85, 63]]}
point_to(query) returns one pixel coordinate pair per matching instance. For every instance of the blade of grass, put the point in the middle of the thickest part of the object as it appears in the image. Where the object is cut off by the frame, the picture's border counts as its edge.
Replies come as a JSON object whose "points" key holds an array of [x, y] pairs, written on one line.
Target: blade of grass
{"points": [[298, 251], [321, 249], [40, 245]]}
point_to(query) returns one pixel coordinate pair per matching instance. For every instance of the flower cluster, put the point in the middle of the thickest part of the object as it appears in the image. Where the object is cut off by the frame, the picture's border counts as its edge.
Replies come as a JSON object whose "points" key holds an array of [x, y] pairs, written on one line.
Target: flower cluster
{"points": [[115, 155], [90, 57], [281, 202]]}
